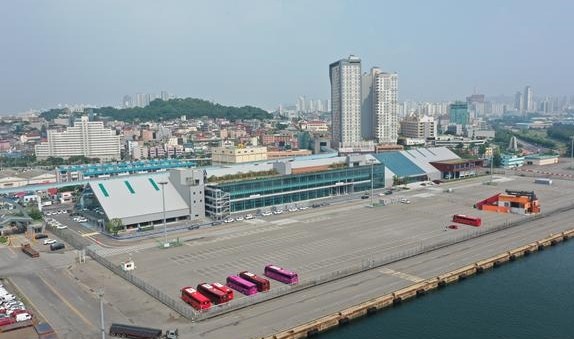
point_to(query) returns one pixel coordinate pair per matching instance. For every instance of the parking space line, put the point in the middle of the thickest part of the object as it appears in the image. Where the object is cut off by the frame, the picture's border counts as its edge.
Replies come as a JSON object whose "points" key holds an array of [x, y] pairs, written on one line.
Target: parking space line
{"points": [[89, 234]]}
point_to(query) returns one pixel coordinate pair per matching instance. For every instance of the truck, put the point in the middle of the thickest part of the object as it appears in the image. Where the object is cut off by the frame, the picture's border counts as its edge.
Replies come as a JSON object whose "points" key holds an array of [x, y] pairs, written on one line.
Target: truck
{"points": [[27, 248], [136, 332]]}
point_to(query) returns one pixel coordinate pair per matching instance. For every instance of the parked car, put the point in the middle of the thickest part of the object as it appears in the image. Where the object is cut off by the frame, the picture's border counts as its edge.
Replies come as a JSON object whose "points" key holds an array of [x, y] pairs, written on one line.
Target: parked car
{"points": [[277, 211], [56, 246], [228, 220], [239, 218], [293, 209], [249, 217], [49, 241], [266, 213], [365, 196], [40, 236], [405, 201], [61, 227], [303, 207]]}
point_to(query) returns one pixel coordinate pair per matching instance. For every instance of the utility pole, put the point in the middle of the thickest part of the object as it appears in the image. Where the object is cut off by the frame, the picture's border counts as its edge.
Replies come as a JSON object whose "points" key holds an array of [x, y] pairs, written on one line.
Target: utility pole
{"points": [[101, 295], [163, 183]]}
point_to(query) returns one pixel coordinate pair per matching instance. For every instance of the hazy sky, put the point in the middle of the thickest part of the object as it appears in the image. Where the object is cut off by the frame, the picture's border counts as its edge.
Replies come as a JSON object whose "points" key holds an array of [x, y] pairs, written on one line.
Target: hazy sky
{"points": [[267, 52]]}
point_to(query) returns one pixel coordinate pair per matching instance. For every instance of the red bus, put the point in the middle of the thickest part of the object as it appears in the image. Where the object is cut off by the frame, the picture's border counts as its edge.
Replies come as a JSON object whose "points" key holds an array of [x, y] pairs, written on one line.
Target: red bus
{"points": [[213, 294], [467, 219], [281, 274], [228, 291], [261, 283], [195, 299], [241, 285]]}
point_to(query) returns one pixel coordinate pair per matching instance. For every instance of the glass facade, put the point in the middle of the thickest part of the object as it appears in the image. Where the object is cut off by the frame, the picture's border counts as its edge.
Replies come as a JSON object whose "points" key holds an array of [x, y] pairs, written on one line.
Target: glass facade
{"points": [[458, 113], [225, 198]]}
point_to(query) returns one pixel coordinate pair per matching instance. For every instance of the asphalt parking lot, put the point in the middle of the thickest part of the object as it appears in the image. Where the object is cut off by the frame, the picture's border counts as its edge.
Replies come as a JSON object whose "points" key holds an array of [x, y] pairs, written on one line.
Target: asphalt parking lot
{"points": [[318, 242]]}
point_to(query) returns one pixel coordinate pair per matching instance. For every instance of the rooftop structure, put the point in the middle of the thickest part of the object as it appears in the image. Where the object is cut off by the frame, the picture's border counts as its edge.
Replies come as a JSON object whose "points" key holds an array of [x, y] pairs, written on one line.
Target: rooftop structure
{"points": [[87, 171]]}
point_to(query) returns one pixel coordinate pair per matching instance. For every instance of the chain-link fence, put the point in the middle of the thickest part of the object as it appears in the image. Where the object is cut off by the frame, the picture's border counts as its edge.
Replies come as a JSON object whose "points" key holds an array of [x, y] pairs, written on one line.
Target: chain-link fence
{"points": [[364, 265]]}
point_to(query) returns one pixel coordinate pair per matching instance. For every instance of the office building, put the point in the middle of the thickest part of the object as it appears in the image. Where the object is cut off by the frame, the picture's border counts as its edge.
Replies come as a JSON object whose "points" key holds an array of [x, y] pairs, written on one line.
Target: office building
{"points": [[458, 113], [234, 155], [345, 76], [86, 138], [418, 127]]}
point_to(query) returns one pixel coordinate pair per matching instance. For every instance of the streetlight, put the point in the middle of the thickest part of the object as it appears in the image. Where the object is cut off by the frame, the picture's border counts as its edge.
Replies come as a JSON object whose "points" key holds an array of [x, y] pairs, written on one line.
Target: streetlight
{"points": [[101, 296], [372, 161], [572, 153], [163, 183]]}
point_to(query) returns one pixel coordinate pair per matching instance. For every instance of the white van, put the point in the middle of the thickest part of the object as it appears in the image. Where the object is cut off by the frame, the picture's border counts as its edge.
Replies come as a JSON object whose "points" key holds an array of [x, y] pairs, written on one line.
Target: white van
{"points": [[23, 317]]}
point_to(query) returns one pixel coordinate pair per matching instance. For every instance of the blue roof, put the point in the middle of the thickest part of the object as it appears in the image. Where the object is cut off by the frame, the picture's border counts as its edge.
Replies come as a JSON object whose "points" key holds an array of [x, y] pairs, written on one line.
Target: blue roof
{"points": [[127, 167], [399, 164]]}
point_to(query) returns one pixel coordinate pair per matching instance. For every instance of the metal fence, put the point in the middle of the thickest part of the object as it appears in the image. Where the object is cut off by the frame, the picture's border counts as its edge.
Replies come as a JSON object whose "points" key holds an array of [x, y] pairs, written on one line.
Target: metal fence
{"points": [[177, 305], [364, 265]]}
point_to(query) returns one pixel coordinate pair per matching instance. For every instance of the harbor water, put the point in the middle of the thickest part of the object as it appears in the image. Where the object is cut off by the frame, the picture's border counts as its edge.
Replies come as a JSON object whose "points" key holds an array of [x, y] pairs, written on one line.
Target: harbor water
{"points": [[532, 297]]}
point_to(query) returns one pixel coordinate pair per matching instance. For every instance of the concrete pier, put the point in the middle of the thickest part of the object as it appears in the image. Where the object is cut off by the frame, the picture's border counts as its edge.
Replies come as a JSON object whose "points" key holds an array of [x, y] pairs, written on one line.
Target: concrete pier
{"points": [[418, 289]]}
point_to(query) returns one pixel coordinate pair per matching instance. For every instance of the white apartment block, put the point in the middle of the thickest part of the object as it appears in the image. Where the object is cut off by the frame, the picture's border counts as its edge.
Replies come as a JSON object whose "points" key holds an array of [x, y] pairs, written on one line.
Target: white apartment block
{"points": [[88, 138], [385, 106], [345, 76], [380, 106]]}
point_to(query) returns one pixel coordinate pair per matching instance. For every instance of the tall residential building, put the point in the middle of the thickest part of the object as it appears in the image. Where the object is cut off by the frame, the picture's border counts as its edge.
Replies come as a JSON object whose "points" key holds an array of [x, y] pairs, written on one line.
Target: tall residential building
{"points": [[528, 104], [385, 106], [345, 76], [418, 127], [458, 113], [380, 106], [127, 101], [86, 138], [518, 102]]}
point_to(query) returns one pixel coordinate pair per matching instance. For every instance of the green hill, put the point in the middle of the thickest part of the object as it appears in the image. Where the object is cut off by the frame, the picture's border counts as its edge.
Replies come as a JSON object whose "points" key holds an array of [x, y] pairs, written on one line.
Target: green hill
{"points": [[159, 110]]}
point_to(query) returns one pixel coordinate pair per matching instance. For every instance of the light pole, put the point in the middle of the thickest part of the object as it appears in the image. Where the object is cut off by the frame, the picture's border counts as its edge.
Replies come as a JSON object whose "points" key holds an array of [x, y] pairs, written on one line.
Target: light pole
{"points": [[101, 295], [372, 181], [491, 168], [572, 152], [163, 183]]}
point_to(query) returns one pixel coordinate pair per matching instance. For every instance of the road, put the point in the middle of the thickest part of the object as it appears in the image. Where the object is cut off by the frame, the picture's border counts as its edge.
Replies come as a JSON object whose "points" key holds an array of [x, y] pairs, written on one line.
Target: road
{"points": [[50, 289]]}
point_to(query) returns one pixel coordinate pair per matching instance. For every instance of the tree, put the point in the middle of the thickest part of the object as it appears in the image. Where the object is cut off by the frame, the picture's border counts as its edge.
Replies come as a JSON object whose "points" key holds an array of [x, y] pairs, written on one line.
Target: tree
{"points": [[496, 159], [35, 213], [113, 226]]}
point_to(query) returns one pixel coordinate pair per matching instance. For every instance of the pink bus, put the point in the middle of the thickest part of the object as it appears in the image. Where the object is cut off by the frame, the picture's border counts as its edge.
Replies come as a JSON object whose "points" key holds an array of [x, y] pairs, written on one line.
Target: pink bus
{"points": [[241, 285], [281, 274]]}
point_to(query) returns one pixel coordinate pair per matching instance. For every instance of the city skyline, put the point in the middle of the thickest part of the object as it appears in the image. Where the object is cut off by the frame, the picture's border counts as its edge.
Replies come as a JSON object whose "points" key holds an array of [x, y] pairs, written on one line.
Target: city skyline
{"points": [[57, 56]]}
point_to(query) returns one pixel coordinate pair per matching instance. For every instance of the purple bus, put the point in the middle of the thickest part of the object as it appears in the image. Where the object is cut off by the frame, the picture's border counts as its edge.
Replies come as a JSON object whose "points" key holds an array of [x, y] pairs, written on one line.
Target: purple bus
{"points": [[281, 274], [241, 285]]}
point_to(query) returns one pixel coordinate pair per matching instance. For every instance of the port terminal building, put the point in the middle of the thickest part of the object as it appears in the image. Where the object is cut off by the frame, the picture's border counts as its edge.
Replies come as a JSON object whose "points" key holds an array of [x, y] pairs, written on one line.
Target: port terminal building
{"points": [[217, 192]]}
